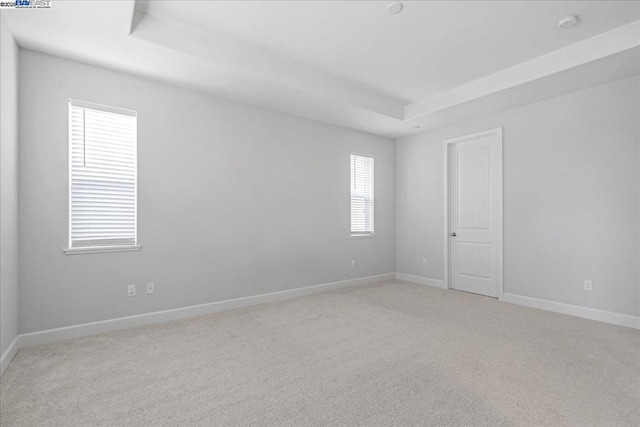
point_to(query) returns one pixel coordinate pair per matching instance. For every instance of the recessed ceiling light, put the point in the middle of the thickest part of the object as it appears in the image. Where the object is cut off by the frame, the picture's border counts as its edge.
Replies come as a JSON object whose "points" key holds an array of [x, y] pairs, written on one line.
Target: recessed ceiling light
{"points": [[568, 22], [417, 127], [394, 7]]}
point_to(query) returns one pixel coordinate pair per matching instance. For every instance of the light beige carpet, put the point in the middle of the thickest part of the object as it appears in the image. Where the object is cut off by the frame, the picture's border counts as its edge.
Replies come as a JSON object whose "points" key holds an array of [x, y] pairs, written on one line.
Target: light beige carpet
{"points": [[387, 354]]}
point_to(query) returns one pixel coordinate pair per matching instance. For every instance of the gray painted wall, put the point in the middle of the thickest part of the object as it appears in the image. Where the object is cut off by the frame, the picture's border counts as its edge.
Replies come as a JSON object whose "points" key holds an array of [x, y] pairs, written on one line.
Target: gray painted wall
{"points": [[237, 201], [233, 200], [571, 198], [8, 187]]}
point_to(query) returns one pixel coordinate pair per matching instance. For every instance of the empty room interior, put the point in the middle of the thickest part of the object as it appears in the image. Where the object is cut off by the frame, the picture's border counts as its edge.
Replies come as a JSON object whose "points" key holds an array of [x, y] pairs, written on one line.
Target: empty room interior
{"points": [[320, 213]]}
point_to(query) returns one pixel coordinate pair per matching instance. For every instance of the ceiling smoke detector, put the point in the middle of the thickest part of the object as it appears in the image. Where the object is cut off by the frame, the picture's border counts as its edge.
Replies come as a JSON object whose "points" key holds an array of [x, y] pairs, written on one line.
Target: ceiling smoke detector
{"points": [[394, 7], [568, 22]]}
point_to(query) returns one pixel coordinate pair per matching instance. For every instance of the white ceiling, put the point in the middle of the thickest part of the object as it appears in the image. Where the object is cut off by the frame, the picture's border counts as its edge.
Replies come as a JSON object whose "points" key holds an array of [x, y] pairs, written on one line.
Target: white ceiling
{"points": [[350, 63], [431, 46]]}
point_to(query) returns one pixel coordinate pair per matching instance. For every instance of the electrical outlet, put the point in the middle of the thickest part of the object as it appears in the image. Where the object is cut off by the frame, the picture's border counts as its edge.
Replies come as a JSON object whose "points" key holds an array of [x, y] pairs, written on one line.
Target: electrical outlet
{"points": [[353, 263], [151, 288], [131, 290], [424, 262], [588, 285]]}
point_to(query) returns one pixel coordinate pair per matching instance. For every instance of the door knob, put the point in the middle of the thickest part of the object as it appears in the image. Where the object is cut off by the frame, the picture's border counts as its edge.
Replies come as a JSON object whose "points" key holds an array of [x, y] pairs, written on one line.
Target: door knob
{"points": [[453, 234]]}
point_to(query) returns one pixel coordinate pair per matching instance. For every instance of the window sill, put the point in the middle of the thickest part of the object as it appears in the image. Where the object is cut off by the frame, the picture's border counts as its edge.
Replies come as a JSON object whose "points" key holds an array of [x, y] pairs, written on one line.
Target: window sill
{"points": [[100, 249], [363, 236]]}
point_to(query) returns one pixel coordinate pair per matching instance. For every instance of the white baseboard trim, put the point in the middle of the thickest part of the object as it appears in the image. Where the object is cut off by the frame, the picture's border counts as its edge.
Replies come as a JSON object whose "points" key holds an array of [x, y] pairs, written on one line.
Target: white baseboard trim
{"points": [[9, 354], [421, 280], [76, 331], [574, 310], [558, 307]]}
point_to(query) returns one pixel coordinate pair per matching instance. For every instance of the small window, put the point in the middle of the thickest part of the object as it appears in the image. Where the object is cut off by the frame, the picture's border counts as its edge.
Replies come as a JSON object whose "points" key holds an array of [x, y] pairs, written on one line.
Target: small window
{"points": [[102, 176], [361, 195]]}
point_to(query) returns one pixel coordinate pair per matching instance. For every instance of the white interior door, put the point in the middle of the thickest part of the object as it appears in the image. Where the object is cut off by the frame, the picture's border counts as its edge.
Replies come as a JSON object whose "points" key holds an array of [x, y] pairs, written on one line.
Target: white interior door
{"points": [[475, 213]]}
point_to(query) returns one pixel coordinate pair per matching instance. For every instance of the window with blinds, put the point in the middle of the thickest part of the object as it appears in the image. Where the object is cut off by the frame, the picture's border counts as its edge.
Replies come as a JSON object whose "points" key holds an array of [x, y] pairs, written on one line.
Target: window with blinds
{"points": [[361, 195], [102, 176]]}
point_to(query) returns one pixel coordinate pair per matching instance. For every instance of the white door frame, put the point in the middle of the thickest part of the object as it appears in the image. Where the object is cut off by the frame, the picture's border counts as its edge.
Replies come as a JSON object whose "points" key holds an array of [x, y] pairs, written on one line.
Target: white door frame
{"points": [[447, 157]]}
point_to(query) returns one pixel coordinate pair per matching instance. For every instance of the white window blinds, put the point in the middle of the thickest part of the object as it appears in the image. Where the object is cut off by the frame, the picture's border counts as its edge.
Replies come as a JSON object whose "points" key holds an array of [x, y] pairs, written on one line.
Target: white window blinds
{"points": [[361, 195], [102, 176]]}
